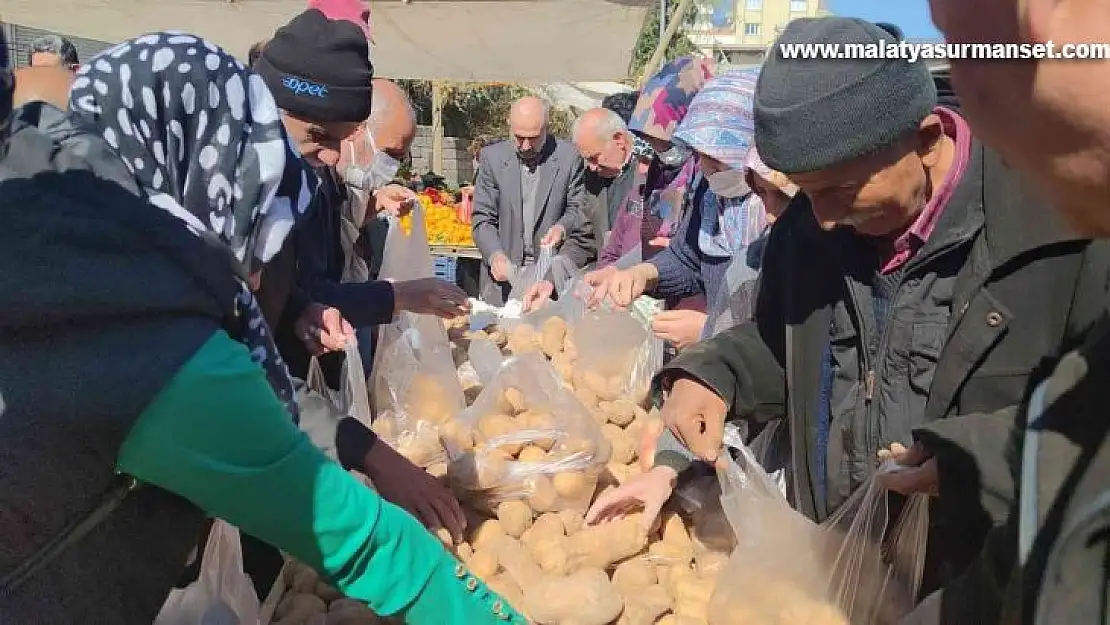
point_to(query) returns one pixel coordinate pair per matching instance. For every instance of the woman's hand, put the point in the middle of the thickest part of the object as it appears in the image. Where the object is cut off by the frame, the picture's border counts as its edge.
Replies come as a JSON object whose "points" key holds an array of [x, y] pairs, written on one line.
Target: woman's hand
{"points": [[323, 329], [648, 491], [682, 328], [403, 483]]}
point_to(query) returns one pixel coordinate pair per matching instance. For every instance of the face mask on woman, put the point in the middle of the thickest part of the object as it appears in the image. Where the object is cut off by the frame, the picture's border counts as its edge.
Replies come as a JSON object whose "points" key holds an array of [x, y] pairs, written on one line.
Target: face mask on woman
{"points": [[673, 157], [729, 183]]}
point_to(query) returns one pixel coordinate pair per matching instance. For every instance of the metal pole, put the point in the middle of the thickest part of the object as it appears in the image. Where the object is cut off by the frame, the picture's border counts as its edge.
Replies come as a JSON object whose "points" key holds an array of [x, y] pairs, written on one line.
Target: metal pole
{"points": [[437, 127], [662, 18]]}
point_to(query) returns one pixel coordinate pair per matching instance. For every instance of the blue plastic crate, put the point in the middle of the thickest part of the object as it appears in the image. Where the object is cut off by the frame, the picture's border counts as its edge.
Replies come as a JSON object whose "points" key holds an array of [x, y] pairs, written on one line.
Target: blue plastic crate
{"points": [[446, 268]]}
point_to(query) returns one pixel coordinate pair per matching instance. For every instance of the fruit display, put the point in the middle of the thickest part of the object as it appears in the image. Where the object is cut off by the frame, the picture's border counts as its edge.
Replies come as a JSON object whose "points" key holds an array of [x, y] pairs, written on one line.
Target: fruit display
{"points": [[442, 219]]}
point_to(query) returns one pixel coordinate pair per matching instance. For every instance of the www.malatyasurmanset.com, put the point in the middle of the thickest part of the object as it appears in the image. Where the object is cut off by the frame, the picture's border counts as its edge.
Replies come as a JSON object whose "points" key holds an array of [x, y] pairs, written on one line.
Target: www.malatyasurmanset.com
{"points": [[914, 52]]}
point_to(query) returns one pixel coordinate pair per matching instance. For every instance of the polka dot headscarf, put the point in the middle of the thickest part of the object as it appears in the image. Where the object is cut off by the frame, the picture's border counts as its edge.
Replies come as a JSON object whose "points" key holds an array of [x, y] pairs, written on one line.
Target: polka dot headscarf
{"points": [[204, 139]]}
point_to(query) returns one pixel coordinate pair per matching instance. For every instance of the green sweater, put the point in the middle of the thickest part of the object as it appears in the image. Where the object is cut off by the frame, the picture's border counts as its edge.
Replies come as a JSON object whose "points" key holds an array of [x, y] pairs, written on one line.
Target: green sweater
{"points": [[218, 436]]}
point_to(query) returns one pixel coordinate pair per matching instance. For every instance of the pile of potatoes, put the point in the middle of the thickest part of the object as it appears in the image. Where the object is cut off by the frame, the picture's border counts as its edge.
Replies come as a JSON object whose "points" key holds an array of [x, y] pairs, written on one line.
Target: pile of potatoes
{"points": [[310, 601]]}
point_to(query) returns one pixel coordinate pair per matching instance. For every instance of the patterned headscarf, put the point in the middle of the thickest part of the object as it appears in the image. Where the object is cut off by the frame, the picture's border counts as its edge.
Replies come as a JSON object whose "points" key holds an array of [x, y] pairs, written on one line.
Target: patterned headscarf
{"points": [[721, 121], [204, 140], [777, 178], [666, 96], [7, 91]]}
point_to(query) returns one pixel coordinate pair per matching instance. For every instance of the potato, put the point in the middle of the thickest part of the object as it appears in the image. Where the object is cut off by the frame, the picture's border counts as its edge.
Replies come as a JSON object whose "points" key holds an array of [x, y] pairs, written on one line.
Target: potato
{"points": [[542, 421], [515, 517], [573, 520], [299, 607], [631, 575], [546, 526], [551, 555], [645, 606], [572, 485], [586, 597], [564, 367], [486, 533], [515, 399], [624, 446], [494, 426], [483, 563], [586, 396], [601, 546], [542, 496], [622, 412], [421, 446], [709, 564], [532, 454], [457, 435]]}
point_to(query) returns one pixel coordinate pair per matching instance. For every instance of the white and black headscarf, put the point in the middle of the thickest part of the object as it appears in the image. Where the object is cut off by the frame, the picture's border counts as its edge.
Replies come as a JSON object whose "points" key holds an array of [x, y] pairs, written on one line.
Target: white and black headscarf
{"points": [[205, 141]]}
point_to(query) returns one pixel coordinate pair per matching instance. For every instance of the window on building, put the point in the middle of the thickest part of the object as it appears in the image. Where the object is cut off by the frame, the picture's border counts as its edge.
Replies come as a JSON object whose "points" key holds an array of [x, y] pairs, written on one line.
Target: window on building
{"points": [[751, 29], [799, 6], [755, 5]]}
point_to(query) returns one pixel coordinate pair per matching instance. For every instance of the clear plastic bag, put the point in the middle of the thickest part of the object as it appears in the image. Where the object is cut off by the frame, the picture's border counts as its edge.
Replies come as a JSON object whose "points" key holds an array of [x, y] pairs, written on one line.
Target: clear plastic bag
{"points": [[322, 407], [223, 593], [416, 386], [526, 437], [855, 568], [615, 355]]}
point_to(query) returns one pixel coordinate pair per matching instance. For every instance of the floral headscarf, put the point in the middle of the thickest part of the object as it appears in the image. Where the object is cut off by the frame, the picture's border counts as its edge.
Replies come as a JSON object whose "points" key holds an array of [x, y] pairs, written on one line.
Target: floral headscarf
{"points": [[204, 139], [666, 96]]}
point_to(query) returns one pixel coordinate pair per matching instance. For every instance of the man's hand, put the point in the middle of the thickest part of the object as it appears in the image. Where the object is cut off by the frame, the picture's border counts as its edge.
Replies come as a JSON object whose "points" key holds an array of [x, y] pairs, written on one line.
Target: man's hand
{"points": [[500, 267], [696, 415], [682, 328], [430, 296], [537, 295], [407, 485], [624, 287], [395, 200], [323, 329], [554, 236], [920, 472], [648, 491]]}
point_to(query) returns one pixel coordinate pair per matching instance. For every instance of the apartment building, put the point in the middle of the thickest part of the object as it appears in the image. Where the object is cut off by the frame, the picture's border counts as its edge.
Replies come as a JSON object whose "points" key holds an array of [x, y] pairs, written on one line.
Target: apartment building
{"points": [[740, 31]]}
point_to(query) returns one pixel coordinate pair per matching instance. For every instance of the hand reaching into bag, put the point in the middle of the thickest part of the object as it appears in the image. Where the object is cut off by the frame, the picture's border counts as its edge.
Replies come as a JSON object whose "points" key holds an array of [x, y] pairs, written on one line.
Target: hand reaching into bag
{"points": [[404, 484], [323, 329], [430, 296]]}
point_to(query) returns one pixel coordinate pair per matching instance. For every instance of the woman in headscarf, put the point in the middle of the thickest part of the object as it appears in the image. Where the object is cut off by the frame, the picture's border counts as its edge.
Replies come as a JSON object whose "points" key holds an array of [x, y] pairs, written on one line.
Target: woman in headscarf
{"points": [[657, 200], [141, 389]]}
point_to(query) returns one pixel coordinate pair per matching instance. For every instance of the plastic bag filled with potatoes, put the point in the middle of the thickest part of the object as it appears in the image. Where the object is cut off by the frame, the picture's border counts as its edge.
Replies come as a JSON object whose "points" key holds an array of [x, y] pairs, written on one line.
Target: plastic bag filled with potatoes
{"points": [[525, 438], [615, 354], [862, 566]]}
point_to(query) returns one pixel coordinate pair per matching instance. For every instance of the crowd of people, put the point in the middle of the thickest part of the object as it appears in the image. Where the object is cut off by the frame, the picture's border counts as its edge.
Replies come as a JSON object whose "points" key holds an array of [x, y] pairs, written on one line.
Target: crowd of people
{"points": [[854, 267]]}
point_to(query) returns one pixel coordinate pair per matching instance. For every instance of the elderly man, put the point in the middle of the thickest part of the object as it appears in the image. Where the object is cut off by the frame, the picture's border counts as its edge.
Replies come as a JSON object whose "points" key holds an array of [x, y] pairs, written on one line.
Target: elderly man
{"points": [[906, 297], [1047, 565], [528, 196], [606, 146], [53, 51]]}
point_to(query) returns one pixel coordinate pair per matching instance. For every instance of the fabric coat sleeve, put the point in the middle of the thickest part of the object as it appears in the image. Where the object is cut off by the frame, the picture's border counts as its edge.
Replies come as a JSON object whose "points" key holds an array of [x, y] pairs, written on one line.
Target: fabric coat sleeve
{"points": [[361, 303], [679, 265], [622, 238], [485, 218], [284, 491]]}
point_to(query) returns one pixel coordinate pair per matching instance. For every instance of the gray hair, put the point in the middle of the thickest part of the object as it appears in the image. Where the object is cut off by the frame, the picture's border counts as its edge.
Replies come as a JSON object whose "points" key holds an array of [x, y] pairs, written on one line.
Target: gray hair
{"points": [[380, 108], [609, 124], [54, 44]]}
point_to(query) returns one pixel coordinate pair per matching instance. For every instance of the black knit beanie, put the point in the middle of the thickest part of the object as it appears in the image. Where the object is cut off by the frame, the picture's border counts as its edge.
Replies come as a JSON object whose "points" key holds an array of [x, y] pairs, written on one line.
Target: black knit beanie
{"points": [[814, 113], [319, 69]]}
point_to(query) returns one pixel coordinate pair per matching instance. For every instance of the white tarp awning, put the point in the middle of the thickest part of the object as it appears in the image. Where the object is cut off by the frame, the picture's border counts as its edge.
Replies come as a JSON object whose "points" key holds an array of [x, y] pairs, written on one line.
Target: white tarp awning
{"points": [[521, 41]]}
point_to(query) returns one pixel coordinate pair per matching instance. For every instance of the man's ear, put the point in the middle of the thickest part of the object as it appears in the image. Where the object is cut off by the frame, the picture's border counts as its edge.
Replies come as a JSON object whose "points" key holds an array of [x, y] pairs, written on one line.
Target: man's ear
{"points": [[1035, 20], [929, 136]]}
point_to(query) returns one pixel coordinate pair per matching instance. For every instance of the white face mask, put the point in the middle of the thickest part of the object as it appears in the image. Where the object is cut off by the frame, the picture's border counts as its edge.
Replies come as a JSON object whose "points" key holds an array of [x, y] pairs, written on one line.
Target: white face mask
{"points": [[729, 183], [674, 156], [381, 171]]}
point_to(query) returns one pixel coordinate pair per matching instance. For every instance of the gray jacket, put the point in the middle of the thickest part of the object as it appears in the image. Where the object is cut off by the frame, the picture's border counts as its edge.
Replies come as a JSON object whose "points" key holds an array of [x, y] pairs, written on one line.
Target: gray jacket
{"points": [[498, 219]]}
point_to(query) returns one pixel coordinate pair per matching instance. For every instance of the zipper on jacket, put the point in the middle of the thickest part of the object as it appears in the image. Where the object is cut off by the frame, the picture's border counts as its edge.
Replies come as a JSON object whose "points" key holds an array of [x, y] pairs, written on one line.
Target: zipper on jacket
{"points": [[71, 534]]}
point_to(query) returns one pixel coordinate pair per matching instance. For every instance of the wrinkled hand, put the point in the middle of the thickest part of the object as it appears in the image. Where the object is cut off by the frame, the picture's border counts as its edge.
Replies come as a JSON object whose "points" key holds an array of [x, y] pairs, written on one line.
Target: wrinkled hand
{"points": [[500, 267], [920, 472], [682, 328], [395, 200], [537, 295], [696, 416], [323, 329], [598, 276], [555, 235], [648, 491], [404, 484], [430, 296], [624, 287]]}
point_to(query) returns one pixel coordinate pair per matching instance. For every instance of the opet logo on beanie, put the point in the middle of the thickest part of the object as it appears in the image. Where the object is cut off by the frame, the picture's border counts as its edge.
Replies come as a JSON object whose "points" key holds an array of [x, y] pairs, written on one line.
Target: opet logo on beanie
{"points": [[301, 86]]}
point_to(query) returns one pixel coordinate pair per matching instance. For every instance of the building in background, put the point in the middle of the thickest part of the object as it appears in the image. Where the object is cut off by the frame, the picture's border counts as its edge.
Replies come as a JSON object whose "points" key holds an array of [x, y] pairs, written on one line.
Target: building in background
{"points": [[740, 31]]}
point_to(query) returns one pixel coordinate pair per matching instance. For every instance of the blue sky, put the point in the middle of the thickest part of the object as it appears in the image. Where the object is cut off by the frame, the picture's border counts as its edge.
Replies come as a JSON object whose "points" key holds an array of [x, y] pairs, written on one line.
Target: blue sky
{"points": [[911, 15]]}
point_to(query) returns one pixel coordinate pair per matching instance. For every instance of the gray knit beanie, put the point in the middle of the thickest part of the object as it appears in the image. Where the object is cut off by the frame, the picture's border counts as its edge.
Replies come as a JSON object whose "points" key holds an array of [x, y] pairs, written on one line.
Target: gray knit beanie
{"points": [[814, 113]]}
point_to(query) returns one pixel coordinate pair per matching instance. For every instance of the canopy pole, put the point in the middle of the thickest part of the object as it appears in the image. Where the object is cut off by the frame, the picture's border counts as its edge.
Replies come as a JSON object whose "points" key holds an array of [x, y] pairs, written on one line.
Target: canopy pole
{"points": [[437, 127], [665, 41]]}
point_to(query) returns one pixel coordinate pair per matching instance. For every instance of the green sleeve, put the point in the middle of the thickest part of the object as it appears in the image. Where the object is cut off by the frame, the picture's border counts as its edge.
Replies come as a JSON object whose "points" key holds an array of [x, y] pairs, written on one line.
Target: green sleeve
{"points": [[218, 436]]}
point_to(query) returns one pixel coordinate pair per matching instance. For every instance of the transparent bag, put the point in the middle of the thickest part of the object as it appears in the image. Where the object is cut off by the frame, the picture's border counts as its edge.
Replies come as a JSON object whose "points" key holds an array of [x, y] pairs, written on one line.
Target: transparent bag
{"points": [[322, 408], [526, 437], [416, 386], [223, 593], [855, 568]]}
